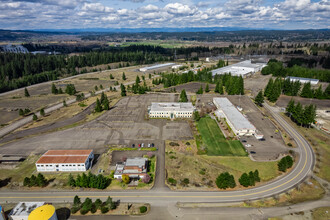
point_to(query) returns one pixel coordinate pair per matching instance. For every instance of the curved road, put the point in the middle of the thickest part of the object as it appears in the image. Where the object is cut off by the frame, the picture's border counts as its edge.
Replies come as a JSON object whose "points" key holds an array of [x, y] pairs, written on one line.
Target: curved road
{"points": [[162, 196]]}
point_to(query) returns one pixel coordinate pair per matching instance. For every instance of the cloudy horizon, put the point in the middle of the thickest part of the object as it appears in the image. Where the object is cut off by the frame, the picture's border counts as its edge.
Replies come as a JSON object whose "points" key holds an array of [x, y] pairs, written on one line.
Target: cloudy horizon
{"points": [[83, 14]]}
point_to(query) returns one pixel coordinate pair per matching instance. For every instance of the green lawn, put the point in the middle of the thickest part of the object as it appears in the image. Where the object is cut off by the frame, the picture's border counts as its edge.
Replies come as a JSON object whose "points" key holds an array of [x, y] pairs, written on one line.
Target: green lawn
{"points": [[215, 141]]}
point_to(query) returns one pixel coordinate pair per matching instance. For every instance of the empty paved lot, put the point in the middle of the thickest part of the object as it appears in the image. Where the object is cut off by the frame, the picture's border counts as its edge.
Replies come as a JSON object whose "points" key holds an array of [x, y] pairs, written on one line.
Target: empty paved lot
{"points": [[123, 125]]}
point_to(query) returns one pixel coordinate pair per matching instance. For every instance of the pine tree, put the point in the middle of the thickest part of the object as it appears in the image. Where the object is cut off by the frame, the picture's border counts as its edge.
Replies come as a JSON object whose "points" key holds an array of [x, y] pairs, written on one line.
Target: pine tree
{"points": [[64, 103], [76, 201], [34, 117], [54, 89], [290, 107], [207, 89], [21, 112], [256, 176], [200, 90], [244, 180], [26, 93], [137, 80], [111, 76], [71, 181], [123, 76], [60, 91], [98, 107], [123, 90], [269, 88], [42, 112], [183, 96], [217, 87], [307, 91], [259, 99], [105, 104], [319, 93]]}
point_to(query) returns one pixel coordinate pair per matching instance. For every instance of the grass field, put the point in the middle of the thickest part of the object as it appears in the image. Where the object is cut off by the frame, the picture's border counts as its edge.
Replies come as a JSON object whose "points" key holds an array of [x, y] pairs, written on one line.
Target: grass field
{"points": [[165, 44], [215, 142]]}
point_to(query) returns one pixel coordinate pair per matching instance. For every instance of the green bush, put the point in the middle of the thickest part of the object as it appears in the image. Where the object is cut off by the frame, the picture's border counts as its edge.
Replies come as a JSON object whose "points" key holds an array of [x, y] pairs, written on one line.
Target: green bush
{"points": [[143, 209], [75, 209], [83, 211], [225, 180], [104, 209], [172, 181], [285, 163], [94, 208]]}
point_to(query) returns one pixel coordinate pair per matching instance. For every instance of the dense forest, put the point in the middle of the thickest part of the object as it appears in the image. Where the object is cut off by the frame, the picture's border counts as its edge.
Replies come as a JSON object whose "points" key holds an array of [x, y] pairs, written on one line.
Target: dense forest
{"points": [[303, 116], [19, 70], [276, 68]]}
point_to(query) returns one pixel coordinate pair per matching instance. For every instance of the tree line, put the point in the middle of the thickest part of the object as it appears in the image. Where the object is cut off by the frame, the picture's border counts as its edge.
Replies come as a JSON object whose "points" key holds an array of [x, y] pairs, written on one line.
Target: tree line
{"points": [[226, 180], [276, 68], [276, 87], [89, 181], [19, 70], [38, 180], [102, 103], [89, 206], [303, 116]]}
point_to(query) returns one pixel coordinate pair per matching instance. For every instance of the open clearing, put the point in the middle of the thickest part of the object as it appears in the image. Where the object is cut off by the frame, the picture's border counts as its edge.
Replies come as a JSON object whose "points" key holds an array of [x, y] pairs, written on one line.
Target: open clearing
{"points": [[202, 170], [216, 142]]}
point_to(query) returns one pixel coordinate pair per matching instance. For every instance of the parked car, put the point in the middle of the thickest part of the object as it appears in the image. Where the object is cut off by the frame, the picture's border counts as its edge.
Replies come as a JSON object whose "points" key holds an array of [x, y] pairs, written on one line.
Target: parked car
{"points": [[252, 152], [133, 145], [243, 141], [152, 145], [139, 145], [262, 139], [149, 145], [142, 145]]}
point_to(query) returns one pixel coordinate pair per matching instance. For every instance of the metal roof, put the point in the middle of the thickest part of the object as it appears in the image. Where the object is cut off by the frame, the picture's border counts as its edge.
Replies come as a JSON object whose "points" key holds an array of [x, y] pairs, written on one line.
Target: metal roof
{"points": [[25, 208], [156, 66], [241, 68], [236, 118], [301, 78], [64, 156], [138, 161], [172, 106]]}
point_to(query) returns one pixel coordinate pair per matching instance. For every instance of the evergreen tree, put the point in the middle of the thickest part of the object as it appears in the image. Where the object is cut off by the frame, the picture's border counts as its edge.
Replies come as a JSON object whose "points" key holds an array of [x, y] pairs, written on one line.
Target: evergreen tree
{"points": [[71, 181], [251, 178], [96, 88], [217, 87], [98, 107], [64, 103], [34, 117], [256, 176], [259, 99], [200, 90], [225, 180], [183, 96], [307, 91], [54, 89], [105, 104], [26, 93], [290, 107], [41, 181], [196, 116], [207, 89], [111, 76], [137, 80], [70, 89], [60, 91], [123, 76], [244, 180], [21, 112], [42, 112], [123, 90], [269, 88], [76, 201], [319, 93]]}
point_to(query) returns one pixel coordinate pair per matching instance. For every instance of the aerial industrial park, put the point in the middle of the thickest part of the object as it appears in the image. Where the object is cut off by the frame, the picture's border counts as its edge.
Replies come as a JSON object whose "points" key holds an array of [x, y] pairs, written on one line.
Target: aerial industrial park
{"points": [[161, 121]]}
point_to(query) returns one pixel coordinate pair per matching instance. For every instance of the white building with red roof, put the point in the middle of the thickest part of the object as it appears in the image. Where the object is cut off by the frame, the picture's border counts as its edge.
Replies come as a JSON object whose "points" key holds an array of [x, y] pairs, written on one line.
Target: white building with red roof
{"points": [[65, 161]]}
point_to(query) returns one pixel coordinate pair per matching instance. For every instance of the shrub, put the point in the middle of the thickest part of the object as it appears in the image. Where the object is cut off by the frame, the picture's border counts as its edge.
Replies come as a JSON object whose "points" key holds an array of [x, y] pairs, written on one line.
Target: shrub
{"points": [[225, 180], [174, 144], [185, 181], [285, 163], [104, 209], [172, 181], [75, 209], [98, 203], [94, 208], [143, 209], [83, 211], [125, 179]]}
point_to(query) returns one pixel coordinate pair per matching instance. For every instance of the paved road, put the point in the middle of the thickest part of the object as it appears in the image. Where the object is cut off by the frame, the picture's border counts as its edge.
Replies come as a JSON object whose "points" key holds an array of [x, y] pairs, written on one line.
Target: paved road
{"points": [[162, 196]]}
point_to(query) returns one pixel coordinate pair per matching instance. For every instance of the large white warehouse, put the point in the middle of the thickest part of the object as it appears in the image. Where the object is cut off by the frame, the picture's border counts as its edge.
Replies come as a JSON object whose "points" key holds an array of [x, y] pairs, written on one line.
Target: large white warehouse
{"points": [[65, 160], [237, 122], [303, 80], [240, 69], [158, 66], [171, 110]]}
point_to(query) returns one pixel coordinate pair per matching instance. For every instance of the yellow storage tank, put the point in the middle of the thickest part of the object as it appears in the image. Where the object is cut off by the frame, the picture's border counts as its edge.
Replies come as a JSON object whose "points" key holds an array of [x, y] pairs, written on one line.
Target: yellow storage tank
{"points": [[45, 212]]}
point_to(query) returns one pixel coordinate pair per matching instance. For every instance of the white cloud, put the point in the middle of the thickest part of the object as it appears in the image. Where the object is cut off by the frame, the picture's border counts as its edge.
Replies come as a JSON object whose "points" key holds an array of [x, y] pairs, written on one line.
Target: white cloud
{"points": [[178, 8]]}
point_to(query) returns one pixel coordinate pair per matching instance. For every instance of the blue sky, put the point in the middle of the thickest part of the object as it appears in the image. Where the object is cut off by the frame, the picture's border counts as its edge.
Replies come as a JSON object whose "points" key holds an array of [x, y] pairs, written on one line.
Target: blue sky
{"points": [[62, 14]]}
